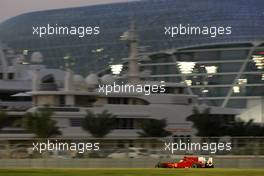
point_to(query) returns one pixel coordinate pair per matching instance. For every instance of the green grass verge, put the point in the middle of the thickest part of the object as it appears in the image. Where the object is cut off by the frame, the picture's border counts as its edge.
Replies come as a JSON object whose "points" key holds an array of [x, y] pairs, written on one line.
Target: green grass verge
{"points": [[131, 172]]}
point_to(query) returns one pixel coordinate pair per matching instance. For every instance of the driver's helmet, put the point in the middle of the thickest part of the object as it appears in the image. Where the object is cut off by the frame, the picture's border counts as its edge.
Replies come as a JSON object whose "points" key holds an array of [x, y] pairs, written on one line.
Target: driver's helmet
{"points": [[202, 160]]}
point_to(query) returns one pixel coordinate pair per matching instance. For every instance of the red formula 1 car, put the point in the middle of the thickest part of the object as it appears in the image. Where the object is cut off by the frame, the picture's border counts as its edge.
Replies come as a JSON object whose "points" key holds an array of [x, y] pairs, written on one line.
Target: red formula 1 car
{"points": [[189, 162]]}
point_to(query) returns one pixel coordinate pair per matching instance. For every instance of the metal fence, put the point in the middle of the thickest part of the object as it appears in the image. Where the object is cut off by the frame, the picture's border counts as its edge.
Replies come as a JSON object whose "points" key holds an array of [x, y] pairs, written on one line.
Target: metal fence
{"points": [[127, 153], [119, 148]]}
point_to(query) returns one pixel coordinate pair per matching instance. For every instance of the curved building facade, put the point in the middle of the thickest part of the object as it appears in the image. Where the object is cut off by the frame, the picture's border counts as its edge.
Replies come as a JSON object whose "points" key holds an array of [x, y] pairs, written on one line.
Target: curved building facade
{"points": [[245, 18]]}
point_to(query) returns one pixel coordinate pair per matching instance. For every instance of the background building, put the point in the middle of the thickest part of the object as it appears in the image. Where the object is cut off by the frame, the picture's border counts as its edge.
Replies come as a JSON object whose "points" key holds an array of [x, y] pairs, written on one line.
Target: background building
{"points": [[246, 19], [227, 70]]}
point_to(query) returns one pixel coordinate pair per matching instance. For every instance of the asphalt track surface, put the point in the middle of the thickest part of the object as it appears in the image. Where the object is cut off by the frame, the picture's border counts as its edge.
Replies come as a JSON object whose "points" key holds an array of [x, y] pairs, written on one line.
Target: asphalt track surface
{"points": [[131, 172]]}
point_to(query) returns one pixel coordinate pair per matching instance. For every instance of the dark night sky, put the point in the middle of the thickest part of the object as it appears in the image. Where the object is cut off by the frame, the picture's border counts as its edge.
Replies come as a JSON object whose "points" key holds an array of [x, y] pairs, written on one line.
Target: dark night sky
{"points": [[10, 8]]}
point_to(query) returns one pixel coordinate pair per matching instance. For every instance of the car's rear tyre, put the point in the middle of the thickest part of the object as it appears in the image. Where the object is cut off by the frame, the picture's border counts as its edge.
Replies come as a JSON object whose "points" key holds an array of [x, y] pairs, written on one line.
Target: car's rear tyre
{"points": [[195, 166]]}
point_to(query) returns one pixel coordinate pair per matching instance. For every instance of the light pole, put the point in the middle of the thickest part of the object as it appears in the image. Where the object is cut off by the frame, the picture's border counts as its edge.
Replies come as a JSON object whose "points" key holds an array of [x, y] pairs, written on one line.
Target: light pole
{"points": [[97, 52]]}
